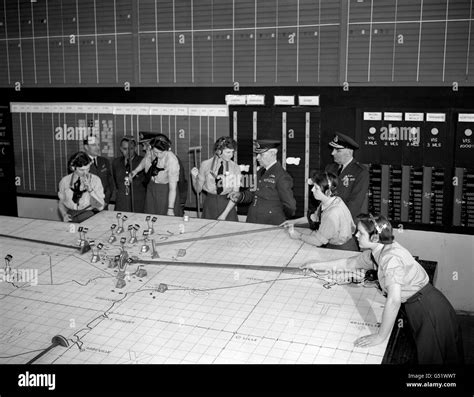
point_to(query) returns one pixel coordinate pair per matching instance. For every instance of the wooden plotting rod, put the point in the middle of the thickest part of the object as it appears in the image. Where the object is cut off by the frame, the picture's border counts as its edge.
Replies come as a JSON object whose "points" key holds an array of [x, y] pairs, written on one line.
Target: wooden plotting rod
{"points": [[40, 241], [221, 265], [189, 240], [156, 244]]}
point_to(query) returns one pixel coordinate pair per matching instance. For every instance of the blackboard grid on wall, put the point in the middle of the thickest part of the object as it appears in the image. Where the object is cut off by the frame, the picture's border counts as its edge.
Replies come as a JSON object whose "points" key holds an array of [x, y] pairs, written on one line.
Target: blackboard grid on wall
{"points": [[46, 135], [251, 42]]}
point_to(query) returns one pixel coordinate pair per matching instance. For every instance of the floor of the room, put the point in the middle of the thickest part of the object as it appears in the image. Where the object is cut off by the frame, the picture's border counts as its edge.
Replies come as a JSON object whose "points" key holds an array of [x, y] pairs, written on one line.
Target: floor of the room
{"points": [[467, 326]]}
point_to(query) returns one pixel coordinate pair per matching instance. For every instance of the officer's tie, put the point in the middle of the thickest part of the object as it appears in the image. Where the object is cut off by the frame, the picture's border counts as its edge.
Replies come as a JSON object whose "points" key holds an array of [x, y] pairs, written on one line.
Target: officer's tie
{"points": [[219, 180]]}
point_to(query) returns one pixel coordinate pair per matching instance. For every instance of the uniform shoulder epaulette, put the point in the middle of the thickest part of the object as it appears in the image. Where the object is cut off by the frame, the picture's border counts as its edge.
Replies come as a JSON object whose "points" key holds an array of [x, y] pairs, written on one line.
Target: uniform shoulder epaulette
{"points": [[361, 166]]}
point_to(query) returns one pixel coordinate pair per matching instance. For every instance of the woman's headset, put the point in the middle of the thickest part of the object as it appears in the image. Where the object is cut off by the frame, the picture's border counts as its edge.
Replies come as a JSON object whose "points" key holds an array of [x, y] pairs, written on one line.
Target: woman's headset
{"points": [[375, 238], [75, 160], [329, 185], [161, 142], [329, 188], [222, 143]]}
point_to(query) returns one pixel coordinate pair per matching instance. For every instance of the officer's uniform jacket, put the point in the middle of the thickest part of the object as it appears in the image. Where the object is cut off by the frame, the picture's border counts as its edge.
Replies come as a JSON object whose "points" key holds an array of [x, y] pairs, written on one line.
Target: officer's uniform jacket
{"points": [[272, 202], [104, 172], [353, 185]]}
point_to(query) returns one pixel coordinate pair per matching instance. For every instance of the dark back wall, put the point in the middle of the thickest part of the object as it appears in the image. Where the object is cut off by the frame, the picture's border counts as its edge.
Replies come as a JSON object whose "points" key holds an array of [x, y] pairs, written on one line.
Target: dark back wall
{"points": [[338, 107]]}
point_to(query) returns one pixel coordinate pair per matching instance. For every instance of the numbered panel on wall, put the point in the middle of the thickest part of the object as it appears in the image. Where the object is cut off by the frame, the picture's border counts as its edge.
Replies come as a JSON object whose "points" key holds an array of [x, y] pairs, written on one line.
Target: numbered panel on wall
{"points": [[463, 178], [408, 154], [403, 137]]}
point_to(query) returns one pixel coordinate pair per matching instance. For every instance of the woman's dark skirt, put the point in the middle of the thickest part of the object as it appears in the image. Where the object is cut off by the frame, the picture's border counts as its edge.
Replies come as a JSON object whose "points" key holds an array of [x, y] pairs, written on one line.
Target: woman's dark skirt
{"points": [[156, 201], [436, 331], [214, 205], [350, 245]]}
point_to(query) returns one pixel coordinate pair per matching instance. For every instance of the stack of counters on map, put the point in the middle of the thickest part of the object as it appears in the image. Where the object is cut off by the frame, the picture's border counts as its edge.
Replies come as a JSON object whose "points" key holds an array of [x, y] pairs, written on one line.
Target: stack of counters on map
{"points": [[95, 255], [141, 272], [123, 240], [150, 227], [145, 248], [8, 267], [133, 233], [120, 220], [83, 243], [112, 237], [147, 220], [124, 261]]}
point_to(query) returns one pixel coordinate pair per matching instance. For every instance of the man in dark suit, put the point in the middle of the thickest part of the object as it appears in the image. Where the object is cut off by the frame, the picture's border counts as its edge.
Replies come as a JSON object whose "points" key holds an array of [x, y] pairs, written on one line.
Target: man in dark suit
{"points": [[272, 202], [353, 177], [121, 168], [100, 166]]}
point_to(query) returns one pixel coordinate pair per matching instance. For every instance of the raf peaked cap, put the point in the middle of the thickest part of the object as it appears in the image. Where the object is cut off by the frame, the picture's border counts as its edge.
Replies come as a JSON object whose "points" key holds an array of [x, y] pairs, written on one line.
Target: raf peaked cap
{"points": [[145, 136], [262, 145], [341, 141]]}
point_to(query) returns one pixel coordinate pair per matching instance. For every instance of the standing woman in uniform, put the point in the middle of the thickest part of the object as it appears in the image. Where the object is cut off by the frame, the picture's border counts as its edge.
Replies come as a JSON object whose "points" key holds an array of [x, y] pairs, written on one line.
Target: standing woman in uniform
{"points": [[431, 318], [162, 170], [217, 177]]}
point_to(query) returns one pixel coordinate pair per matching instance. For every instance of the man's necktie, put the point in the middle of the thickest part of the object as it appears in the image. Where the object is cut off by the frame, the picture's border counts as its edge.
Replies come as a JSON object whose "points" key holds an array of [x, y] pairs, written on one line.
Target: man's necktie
{"points": [[95, 162], [339, 170], [219, 181], [127, 166]]}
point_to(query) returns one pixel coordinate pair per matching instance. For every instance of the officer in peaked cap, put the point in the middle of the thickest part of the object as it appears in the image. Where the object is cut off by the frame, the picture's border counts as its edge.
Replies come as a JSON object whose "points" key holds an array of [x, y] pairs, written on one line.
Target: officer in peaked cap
{"points": [[272, 200], [145, 137], [341, 141], [353, 177], [263, 145]]}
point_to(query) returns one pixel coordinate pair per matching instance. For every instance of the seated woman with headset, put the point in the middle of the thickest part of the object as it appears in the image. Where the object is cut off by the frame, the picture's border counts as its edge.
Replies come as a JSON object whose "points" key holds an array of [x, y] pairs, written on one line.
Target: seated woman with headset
{"points": [[81, 193], [431, 318], [336, 226], [162, 174]]}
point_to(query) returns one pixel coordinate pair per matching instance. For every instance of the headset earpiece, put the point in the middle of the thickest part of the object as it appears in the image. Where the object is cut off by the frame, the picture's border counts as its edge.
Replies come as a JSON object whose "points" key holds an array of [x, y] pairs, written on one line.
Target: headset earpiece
{"points": [[329, 189], [375, 238]]}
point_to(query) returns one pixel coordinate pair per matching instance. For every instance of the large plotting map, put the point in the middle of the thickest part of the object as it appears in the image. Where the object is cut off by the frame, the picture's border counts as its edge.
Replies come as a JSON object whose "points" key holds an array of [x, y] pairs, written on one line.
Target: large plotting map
{"points": [[202, 292]]}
